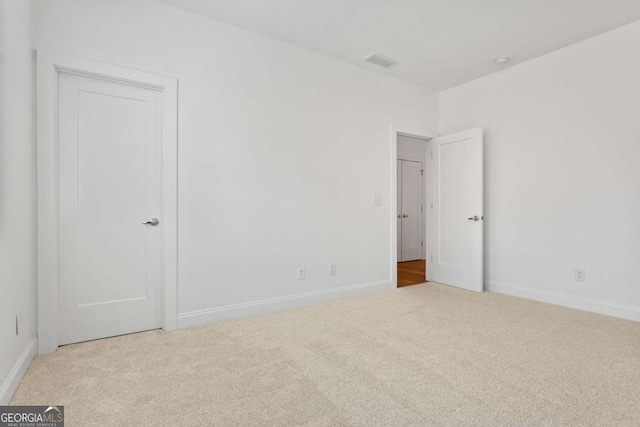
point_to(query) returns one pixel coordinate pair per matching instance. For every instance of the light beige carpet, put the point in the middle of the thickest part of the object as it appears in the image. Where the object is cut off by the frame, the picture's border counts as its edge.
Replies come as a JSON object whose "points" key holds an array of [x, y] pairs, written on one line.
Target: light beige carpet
{"points": [[425, 355]]}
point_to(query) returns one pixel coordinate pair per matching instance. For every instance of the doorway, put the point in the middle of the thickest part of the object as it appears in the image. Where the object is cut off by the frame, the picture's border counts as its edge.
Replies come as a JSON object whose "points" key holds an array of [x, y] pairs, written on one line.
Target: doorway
{"points": [[107, 223], [411, 156]]}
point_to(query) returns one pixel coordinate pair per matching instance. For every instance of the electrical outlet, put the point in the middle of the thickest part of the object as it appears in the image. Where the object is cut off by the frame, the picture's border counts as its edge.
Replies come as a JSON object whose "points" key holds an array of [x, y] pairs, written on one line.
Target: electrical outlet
{"points": [[332, 269], [579, 275], [301, 273], [18, 323]]}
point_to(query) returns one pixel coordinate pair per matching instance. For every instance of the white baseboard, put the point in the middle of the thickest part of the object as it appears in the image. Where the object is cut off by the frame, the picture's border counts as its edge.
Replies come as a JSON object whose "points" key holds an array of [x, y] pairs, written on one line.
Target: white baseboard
{"points": [[11, 383], [218, 314], [581, 303]]}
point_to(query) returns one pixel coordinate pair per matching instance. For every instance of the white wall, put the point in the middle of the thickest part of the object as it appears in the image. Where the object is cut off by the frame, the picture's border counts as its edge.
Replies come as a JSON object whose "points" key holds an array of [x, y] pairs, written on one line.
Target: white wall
{"points": [[280, 151], [17, 194], [562, 155], [411, 148]]}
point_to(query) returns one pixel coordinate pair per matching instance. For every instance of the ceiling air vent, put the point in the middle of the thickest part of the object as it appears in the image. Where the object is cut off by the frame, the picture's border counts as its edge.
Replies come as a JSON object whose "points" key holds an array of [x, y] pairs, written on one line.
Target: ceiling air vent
{"points": [[381, 60]]}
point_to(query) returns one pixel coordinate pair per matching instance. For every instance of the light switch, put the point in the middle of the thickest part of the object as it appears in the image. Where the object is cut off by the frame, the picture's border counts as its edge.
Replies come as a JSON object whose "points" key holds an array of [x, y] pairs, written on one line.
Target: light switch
{"points": [[377, 199], [332, 269]]}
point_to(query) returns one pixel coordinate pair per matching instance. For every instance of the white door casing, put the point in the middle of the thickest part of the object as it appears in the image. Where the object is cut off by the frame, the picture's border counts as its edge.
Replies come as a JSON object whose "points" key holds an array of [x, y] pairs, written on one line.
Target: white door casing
{"points": [[411, 218], [457, 218], [107, 162], [399, 215]]}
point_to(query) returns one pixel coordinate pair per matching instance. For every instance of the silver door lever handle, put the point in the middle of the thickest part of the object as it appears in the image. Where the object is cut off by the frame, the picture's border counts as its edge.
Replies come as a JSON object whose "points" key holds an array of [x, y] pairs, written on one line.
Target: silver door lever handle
{"points": [[474, 218], [405, 216], [153, 222]]}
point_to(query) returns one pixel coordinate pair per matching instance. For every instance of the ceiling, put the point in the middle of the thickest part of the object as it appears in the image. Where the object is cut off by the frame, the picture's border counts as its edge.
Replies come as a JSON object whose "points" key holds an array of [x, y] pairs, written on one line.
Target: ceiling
{"points": [[438, 43]]}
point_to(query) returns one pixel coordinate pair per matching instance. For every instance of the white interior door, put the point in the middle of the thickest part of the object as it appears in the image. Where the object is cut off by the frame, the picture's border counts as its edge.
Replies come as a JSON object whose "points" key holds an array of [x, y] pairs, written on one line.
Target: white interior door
{"points": [[457, 250], [410, 208], [109, 185]]}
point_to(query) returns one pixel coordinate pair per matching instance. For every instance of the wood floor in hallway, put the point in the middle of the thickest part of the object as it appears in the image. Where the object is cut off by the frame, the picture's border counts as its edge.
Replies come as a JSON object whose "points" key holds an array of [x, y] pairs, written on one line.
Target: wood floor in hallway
{"points": [[411, 273]]}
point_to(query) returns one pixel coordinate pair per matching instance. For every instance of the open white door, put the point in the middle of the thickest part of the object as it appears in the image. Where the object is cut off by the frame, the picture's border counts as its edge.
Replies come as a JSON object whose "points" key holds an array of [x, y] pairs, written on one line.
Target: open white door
{"points": [[457, 249]]}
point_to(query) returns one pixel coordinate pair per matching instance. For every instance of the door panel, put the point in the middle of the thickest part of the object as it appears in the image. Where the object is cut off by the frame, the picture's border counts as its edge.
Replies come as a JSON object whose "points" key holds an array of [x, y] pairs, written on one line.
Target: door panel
{"points": [[457, 196], [109, 184], [411, 211]]}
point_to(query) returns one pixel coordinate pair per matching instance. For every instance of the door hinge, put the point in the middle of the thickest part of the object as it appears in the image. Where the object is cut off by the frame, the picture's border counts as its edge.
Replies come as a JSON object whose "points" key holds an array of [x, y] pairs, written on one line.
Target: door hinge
{"points": [[432, 154], [421, 244], [420, 208], [421, 171]]}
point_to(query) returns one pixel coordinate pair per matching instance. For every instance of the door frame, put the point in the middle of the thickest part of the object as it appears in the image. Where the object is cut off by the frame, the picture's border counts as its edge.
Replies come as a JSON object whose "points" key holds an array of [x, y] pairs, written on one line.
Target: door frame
{"points": [[414, 133], [49, 65]]}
